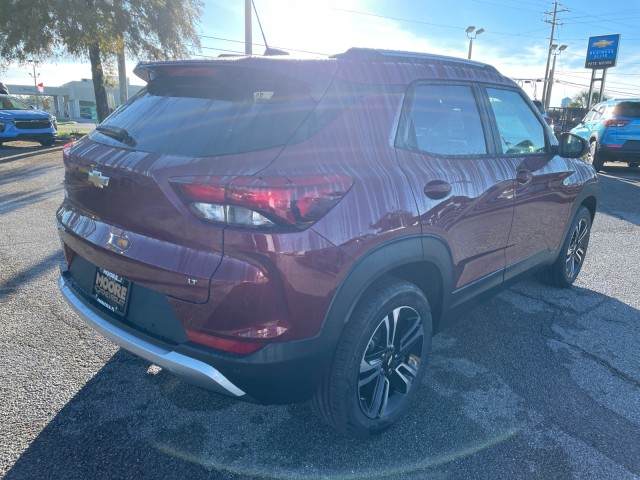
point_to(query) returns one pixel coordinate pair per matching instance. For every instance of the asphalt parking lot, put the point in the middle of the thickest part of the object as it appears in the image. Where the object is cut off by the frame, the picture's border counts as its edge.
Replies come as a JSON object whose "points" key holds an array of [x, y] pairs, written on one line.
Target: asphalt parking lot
{"points": [[534, 383]]}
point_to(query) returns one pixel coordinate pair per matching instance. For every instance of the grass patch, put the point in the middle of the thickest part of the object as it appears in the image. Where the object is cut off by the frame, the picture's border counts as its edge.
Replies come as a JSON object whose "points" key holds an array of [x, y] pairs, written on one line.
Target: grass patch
{"points": [[70, 135]]}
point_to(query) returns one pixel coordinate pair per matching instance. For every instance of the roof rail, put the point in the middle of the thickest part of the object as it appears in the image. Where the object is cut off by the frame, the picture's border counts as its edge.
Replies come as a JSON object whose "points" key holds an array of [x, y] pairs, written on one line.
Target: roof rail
{"points": [[372, 54]]}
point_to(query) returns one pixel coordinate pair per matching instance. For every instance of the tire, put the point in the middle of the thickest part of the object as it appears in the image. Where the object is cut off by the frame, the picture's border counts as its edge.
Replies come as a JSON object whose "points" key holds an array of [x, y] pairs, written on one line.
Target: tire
{"points": [[379, 362], [47, 143], [594, 157], [567, 266], [633, 164]]}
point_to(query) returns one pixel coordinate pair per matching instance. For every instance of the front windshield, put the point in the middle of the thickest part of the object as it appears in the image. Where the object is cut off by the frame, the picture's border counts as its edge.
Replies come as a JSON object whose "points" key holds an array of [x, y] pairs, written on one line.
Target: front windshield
{"points": [[12, 103]]}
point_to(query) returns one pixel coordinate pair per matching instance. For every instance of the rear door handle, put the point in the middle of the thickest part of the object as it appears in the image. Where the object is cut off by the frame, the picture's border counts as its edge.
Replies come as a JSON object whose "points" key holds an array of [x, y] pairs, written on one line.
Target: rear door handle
{"points": [[437, 189], [523, 177]]}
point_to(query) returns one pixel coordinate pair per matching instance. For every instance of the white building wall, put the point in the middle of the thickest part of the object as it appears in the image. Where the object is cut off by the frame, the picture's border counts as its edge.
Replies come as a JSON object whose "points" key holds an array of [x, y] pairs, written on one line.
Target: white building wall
{"points": [[67, 97]]}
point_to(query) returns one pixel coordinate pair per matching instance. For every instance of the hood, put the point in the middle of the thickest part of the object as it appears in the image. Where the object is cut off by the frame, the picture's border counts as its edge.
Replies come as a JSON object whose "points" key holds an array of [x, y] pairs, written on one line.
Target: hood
{"points": [[24, 114]]}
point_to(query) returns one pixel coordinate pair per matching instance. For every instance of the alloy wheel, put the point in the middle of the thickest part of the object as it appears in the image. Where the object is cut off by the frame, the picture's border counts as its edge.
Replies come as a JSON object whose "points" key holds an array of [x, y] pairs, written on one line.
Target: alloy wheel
{"points": [[390, 362], [577, 248], [591, 155]]}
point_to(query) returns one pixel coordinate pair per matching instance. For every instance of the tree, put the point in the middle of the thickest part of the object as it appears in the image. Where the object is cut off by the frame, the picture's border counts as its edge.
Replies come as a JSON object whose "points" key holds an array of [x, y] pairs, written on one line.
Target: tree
{"points": [[97, 29], [580, 99]]}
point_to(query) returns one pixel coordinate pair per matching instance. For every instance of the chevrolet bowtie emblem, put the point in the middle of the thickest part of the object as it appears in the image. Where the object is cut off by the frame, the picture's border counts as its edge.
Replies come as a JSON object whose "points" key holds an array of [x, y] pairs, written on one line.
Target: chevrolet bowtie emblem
{"points": [[97, 179]]}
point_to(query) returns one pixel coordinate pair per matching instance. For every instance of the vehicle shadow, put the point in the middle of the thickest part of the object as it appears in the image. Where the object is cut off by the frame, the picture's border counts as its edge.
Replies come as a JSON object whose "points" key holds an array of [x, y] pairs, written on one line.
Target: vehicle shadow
{"points": [[620, 192], [12, 153], [12, 175], [19, 279], [527, 383], [14, 201], [24, 184]]}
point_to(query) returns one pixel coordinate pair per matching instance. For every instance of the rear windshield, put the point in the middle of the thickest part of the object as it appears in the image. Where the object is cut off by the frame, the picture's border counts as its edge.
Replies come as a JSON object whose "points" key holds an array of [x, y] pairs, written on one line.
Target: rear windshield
{"points": [[627, 109], [234, 110]]}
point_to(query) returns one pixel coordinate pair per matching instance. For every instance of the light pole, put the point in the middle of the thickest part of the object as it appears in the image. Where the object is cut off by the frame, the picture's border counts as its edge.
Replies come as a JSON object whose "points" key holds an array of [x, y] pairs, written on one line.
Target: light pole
{"points": [[555, 51], [35, 80], [248, 42], [471, 35]]}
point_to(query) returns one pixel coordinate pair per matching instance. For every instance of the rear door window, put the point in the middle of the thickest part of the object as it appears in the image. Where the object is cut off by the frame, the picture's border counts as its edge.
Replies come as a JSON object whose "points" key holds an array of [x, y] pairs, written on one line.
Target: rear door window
{"points": [[598, 112], [521, 133], [235, 110], [443, 119]]}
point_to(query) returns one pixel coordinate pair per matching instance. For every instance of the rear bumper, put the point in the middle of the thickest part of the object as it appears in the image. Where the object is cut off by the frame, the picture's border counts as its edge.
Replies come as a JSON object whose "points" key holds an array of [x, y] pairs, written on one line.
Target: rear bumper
{"points": [[279, 373], [187, 368], [626, 152]]}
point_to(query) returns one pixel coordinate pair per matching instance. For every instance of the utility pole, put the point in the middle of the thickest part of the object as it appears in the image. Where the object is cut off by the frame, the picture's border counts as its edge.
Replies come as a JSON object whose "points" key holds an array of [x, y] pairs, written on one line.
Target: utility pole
{"points": [[122, 65], [555, 52], [247, 27], [35, 81], [122, 73], [551, 43]]}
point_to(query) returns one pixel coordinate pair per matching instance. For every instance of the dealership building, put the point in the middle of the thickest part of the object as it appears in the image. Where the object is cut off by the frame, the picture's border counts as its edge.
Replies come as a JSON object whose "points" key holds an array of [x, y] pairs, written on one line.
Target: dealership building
{"points": [[75, 100]]}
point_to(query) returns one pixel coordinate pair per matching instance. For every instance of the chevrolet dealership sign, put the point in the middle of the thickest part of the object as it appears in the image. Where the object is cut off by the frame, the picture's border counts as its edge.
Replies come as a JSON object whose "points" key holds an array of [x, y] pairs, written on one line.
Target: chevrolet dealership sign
{"points": [[602, 51]]}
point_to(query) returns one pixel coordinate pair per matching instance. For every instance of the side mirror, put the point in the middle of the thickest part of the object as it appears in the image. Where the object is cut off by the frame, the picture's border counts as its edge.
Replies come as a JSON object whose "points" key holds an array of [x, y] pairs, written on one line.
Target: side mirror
{"points": [[32, 107], [572, 146]]}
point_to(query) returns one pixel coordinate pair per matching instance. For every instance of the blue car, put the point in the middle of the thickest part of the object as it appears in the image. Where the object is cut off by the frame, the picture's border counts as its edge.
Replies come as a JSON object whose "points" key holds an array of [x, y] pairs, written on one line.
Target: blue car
{"points": [[613, 131], [18, 121]]}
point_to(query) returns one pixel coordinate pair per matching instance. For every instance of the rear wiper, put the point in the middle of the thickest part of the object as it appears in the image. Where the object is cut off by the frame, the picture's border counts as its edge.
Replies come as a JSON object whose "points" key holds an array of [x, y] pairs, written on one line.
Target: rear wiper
{"points": [[117, 133]]}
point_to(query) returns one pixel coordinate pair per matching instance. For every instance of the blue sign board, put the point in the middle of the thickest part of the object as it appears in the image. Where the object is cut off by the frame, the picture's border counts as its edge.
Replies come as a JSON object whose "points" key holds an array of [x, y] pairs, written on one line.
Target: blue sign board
{"points": [[602, 51]]}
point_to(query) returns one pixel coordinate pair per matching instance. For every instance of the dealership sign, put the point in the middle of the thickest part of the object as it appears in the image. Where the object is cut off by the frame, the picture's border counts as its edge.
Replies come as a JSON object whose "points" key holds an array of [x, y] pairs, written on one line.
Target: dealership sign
{"points": [[602, 51]]}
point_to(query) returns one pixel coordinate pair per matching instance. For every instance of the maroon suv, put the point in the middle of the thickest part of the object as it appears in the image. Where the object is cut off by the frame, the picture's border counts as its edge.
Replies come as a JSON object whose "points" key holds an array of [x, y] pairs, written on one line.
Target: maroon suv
{"points": [[283, 230]]}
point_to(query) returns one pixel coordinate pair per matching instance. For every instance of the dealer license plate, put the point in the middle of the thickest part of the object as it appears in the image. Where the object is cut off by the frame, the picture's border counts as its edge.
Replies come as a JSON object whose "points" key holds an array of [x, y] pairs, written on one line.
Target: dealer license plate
{"points": [[111, 291]]}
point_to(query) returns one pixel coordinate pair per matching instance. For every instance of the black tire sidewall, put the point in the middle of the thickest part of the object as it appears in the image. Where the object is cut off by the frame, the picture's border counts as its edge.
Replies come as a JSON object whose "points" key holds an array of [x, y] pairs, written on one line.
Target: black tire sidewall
{"points": [[560, 266], [365, 320], [596, 156]]}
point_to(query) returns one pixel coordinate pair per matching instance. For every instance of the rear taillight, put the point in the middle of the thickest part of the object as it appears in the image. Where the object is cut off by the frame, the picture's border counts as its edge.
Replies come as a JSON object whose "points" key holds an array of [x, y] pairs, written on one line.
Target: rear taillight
{"points": [[69, 255], [263, 202], [243, 341], [615, 122], [225, 344], [65, 150]]}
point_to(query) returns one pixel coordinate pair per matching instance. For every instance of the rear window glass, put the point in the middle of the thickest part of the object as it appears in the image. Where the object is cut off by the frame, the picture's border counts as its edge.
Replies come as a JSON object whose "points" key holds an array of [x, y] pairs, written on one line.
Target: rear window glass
{"points": [[627, 109], [234, 110], [443, 119]]}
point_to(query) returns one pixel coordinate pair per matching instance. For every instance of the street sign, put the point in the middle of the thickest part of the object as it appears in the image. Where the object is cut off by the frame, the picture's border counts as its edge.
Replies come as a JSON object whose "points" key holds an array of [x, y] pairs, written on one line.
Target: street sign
{"points": [[602, 51], [24, 90]]}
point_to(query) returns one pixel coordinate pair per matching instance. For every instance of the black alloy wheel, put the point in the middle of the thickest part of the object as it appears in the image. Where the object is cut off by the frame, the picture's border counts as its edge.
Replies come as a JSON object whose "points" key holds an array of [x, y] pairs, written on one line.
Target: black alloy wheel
{"points": [[390, 363], [569, 262], [577, 248], [379, 362]]}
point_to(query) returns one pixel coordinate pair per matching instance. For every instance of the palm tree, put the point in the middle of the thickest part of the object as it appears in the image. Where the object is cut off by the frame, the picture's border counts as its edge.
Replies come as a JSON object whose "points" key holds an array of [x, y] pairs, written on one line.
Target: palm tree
{"points": [[580, 99]]}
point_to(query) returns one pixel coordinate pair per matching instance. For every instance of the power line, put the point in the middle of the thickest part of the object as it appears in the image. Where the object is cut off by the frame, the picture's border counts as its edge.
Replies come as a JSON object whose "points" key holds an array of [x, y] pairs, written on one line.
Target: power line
{"points": [[505, 5], [610, 83], [261, 45]]}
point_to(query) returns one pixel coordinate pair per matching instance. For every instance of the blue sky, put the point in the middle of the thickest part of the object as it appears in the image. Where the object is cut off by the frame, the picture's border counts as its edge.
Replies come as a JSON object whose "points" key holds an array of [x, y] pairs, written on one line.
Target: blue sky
{"points": [[515, 40]]}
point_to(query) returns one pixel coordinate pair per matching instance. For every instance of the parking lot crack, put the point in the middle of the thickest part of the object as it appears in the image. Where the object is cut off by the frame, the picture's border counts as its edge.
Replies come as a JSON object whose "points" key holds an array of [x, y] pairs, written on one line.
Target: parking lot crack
{"points": [[554, 304], [634, 382]]}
